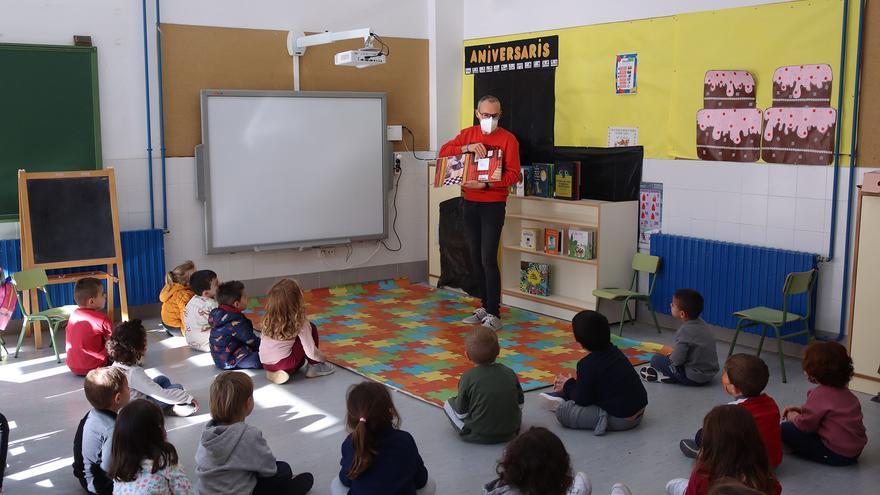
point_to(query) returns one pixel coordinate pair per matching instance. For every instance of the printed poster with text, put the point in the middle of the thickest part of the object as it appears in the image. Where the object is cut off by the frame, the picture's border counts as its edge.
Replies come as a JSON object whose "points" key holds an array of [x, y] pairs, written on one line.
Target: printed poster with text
{"points": [[650, 212], [625, 73]]}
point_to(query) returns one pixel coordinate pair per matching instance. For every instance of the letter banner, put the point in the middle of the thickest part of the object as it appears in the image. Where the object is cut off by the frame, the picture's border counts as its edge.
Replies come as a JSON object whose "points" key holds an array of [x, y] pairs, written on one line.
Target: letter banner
{"points": [[533, 53]]}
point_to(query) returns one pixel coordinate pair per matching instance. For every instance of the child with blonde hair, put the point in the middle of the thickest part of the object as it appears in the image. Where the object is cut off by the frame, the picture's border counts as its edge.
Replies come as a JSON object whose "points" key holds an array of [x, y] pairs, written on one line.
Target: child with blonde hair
{"points": [[289, 340], [174, 297]]}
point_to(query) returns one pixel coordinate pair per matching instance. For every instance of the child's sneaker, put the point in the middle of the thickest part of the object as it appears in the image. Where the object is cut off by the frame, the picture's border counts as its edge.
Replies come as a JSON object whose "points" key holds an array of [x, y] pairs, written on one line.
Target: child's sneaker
{"points": [[551, 400], [476, 318], [185, 410], [677, 486], [620, 489], [651, 374], [492, 321], [277, 377], [319, 369], [689, 448], [581, 484]]}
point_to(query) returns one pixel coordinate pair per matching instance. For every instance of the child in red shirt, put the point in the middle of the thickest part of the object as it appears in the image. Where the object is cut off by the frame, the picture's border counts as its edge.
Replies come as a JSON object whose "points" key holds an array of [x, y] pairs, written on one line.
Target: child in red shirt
{"points": [[88, 328], [745, 377], [829, 427]]}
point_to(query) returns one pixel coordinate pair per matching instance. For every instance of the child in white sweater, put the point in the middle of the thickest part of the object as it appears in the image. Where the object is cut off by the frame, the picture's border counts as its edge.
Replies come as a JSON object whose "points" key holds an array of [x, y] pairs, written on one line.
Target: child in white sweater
{"points": [[127, 347], [197, 329]]}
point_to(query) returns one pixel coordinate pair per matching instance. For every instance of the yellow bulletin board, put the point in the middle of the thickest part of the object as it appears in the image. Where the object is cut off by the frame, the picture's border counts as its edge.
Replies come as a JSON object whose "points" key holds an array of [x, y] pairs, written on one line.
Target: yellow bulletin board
{"points": [[674, 53]]}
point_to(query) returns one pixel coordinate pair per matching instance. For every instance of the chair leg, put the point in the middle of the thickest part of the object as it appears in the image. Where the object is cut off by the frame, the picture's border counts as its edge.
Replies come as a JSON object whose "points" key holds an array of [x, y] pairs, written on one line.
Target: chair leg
{"points": [[24, 324], [53, 329], [761, 342], [735, 336], [622, 319], [781, 356], [654, 315]]}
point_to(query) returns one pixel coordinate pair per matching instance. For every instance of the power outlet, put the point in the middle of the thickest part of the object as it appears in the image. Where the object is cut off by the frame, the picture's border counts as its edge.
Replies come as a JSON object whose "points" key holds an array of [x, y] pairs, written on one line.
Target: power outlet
{"points": [[327, 252]]}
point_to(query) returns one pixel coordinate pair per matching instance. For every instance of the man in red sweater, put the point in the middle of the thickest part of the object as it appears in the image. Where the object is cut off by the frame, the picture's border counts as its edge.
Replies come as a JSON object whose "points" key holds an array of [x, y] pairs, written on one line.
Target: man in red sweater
{"points": [[484, 204], [745, 377]]}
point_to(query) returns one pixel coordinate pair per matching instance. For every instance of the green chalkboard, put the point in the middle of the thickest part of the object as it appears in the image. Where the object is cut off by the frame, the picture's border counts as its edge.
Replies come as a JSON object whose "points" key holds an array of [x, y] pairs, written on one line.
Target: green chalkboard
{"points": [[49, 114]]}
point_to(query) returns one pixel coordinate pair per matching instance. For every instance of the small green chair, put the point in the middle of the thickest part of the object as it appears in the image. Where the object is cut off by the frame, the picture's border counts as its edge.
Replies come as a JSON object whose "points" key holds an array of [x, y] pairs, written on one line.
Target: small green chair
{"points": [[795, 283], [36, 279], [640, 263]]}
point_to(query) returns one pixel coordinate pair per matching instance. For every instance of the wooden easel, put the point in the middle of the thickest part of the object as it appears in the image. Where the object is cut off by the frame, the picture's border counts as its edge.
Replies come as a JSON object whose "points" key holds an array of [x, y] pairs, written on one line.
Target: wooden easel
{"points": [[115, 271]]}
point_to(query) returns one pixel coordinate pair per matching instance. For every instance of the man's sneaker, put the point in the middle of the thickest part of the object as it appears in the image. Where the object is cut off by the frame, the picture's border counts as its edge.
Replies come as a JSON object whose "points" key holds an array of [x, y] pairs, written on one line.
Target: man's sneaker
{"points": [[477, 317], [651, 374], [689, 448], [492, 321], [319, 369], [620, 489], [551, 400], [277, 377]]}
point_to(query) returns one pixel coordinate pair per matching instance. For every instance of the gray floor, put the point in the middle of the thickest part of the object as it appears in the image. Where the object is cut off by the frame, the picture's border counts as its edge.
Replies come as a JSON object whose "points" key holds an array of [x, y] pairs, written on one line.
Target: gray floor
{"points": [[302, 421]]}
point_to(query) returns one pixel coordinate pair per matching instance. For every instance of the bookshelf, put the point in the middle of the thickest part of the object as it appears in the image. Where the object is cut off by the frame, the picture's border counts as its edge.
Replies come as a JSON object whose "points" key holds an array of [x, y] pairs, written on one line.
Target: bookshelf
{"points": [[571, 280]]}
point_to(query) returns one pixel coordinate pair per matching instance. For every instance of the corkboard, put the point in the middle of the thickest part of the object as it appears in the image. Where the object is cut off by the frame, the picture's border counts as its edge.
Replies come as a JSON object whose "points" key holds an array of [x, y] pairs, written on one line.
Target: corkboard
{"points": [[404, 77], [198, 57], [202, 57], [869, 100]]}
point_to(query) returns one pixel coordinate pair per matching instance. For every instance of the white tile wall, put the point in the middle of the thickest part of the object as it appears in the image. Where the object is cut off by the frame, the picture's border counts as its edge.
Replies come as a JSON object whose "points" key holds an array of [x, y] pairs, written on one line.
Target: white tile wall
{"points": [[780, 206]]}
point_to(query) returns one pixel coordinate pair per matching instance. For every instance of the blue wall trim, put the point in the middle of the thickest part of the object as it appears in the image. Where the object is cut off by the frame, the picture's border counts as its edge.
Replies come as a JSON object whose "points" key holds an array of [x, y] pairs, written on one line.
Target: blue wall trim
{"points": [[730, 276], [143, 257]]}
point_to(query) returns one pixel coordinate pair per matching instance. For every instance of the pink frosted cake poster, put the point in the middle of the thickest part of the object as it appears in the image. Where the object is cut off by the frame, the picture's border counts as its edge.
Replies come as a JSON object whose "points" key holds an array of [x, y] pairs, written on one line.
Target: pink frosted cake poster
{"points": [[729, 134], [799, 135], [802, 86], [728, 89]]}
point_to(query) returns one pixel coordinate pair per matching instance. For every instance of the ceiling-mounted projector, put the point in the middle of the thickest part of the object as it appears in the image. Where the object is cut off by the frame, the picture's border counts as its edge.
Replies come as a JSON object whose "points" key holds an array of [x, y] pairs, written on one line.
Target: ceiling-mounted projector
{"points": [[365, 57]]}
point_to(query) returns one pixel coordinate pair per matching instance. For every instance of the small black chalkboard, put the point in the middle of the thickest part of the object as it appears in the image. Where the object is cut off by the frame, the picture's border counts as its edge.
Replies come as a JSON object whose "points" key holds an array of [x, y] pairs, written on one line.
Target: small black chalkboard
{"points": [[71, 219]]}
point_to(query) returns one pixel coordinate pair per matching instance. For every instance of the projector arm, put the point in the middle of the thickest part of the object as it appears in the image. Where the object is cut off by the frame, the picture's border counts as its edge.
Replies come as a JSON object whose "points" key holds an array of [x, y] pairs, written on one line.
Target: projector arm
{"points": [[297, 42]]}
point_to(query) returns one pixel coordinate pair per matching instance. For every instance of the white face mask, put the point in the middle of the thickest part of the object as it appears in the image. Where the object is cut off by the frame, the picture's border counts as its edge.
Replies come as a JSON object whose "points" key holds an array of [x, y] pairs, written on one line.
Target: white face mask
{"points": [[488, 125]]}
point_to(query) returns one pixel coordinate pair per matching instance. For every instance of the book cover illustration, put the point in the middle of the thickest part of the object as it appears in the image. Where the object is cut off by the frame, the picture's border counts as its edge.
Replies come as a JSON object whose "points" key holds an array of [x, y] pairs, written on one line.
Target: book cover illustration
{"points": [[529, 239], [534, 278], [523, 186], [552, 241], [542, 179], [486, 169], [581, 244], [451, 170], [567, 181], [650, 211]]}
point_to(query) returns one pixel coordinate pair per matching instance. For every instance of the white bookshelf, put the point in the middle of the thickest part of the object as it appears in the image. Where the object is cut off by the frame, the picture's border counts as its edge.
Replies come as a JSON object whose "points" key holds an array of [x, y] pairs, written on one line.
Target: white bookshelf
{"points": [[572, 281]]}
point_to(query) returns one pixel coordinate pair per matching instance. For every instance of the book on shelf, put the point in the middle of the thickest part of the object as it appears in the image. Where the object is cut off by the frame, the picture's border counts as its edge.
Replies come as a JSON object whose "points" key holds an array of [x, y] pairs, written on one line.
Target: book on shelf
{"points": [[552, 241], [580, 244], [567, 182], [486, 169], [534, 278], [523, 186], [451, 170], [542, 179], [529, 239]]}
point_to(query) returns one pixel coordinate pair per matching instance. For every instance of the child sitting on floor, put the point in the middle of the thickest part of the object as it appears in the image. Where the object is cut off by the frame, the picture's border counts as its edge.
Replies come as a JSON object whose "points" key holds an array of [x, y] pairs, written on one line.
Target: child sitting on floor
{"points": [[174, 297], [233, 456], [127, 347], [143, 462], [731, 448], [289, 340], [828, 428], [377, 457], [88, 328], [196, 328], [234, 345], [607, 394], [745, 377], [536, 462], [107, 391], [487, 407], [694, 359]]}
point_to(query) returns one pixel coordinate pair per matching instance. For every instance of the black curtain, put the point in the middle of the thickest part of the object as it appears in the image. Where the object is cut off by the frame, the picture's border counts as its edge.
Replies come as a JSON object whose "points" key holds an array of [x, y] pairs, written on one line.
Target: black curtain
{"points": [[528, 104]]}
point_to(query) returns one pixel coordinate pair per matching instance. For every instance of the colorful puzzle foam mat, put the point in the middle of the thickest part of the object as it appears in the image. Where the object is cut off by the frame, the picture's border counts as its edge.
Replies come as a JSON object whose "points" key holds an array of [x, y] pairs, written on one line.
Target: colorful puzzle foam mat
{"points": [[410, 337]]}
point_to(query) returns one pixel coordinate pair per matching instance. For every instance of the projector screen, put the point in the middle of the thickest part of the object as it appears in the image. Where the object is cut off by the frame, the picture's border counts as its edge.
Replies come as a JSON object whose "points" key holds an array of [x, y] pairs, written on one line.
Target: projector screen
{"points": [[284, 169]]}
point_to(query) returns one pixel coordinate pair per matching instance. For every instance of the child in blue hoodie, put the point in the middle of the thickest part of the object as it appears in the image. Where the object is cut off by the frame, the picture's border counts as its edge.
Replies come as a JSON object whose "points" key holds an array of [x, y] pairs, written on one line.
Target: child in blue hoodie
{"points": [[234, 345], [233, 456]]}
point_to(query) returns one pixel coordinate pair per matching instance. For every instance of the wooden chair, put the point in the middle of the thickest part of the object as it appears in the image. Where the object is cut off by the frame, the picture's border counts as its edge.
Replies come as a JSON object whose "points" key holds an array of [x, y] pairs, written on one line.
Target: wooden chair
{"points": [[796, 283], [36, 279], [640, 263]]}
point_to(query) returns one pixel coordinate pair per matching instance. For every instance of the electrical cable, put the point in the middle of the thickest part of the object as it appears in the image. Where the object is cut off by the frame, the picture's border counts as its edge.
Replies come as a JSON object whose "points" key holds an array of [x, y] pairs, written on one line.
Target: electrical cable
{"points": [[394, 221], [413, 141], [387, 48]]}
